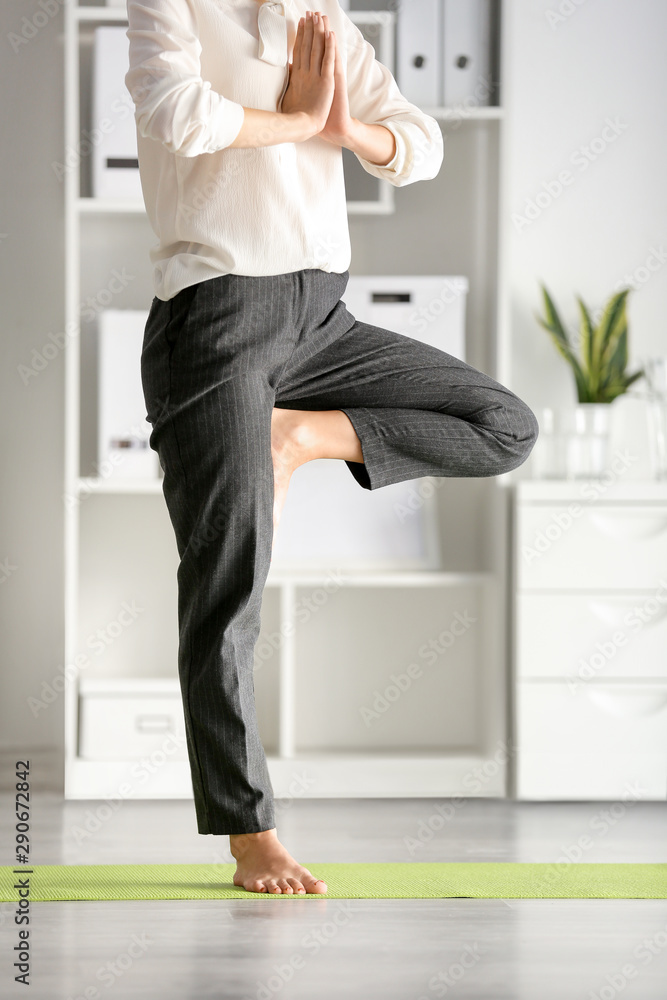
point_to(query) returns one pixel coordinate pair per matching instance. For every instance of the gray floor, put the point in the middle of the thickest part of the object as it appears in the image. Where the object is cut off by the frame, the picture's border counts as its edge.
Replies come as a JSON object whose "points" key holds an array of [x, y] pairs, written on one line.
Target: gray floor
{"points": [[389, 949]]}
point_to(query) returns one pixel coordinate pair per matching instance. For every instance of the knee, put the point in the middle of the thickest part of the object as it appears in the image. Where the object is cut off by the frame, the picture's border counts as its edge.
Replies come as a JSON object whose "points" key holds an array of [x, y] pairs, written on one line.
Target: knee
{"points": [[516, 430]]}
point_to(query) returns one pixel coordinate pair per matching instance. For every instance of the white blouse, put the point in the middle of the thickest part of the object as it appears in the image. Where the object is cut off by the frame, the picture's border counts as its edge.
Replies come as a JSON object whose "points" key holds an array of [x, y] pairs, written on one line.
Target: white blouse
{"points": [[193, 66]]}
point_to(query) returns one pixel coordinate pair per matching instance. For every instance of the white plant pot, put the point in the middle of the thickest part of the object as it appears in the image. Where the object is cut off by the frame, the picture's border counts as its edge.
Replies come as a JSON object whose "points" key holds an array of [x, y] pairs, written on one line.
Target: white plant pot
{"points": [[588, 440]]}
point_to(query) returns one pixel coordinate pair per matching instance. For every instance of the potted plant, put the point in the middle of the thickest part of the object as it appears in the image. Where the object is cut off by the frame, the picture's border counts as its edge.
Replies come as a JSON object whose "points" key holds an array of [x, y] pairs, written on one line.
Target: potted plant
{"points": [[600, 374]]}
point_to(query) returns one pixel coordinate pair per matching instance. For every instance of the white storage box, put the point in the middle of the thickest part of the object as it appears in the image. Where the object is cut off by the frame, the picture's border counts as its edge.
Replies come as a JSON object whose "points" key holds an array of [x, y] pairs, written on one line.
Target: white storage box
{"points": [[430, 308], [130, 718], [123, 430]]}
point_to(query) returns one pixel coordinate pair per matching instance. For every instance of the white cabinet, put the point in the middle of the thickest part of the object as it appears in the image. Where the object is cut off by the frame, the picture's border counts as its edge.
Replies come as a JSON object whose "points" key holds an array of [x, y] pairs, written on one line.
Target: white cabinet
{"points": [[351, 697], [590, 640]]}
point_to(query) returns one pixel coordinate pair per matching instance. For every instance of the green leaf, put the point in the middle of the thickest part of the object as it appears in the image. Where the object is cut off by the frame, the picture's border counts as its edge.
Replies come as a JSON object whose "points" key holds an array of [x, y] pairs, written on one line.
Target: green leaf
{"points": [[554, 326], [553, 320], [586, 329], [612, 323], [618, 361]]}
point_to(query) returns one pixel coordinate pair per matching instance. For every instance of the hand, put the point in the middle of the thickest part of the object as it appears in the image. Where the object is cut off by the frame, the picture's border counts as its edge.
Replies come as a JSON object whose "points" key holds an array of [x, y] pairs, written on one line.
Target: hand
{"points": [[310, 88], [338, 125]]}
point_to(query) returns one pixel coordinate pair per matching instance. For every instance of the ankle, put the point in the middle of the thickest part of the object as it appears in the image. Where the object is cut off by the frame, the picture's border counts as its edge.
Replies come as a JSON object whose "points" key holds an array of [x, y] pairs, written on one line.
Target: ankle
{"points": [[241, 843]]}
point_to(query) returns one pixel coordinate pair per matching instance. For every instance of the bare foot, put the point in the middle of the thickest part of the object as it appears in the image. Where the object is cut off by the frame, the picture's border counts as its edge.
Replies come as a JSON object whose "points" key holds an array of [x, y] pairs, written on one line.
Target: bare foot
{"points": [[299, 436], [290, 447], [264, 865]]}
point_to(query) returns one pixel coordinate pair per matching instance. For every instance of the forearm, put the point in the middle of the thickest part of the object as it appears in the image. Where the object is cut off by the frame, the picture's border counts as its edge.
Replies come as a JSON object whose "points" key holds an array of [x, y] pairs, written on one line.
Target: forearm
{"points": [[269, 128], [374, 143]]}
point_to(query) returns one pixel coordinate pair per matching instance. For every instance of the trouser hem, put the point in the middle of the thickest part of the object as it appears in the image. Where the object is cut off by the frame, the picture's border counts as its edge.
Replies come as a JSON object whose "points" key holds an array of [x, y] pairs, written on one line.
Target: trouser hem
{"points": [[370, 473]]}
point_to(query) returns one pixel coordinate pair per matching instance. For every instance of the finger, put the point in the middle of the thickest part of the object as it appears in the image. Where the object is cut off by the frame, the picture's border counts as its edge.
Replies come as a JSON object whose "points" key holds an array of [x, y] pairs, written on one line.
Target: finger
{"points": [[330, 60], [306, 60], [317, 50], [298, 42]]}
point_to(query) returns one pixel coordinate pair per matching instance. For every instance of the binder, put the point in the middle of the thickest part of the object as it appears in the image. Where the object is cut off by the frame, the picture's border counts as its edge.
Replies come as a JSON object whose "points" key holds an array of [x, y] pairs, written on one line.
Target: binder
{"points": [[419, 56], [466, 52], [123, 430], [115, 163]]}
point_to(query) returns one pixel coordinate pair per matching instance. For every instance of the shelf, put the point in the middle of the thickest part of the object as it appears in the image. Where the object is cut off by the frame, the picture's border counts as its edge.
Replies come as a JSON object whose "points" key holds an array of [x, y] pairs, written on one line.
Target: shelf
{"points": [[108, 206], [462, 114], [100, 14], [86, 485], [326, 775], [588, 490], [102, 206]]}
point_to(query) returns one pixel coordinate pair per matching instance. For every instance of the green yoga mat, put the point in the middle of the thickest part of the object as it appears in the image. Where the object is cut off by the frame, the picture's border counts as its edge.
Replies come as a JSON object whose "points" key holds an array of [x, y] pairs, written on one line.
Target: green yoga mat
{"points": [[374, 880]]}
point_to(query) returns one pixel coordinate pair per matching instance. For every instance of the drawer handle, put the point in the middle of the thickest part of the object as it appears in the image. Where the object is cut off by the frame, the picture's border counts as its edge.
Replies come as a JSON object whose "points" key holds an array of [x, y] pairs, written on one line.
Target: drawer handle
{"points": [[612, 614], [154, 723], [638, 526], [628, 702]]}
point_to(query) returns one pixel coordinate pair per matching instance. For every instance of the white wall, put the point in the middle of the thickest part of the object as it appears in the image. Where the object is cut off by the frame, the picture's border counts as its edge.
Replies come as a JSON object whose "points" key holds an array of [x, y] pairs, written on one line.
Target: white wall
{"points": [[31, 415], [574, 67]]}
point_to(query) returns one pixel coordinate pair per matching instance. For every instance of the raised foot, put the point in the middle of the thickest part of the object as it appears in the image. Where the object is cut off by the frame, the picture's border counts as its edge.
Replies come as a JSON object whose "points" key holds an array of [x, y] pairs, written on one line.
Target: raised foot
{"points": [[290, 448], [264, 865]]}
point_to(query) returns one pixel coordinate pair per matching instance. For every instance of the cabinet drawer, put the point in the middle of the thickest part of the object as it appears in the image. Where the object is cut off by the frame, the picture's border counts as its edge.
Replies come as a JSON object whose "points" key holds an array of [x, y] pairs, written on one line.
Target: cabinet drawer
{"points": [[592, 636], [127, 727], [599, 741], [596, 547]]}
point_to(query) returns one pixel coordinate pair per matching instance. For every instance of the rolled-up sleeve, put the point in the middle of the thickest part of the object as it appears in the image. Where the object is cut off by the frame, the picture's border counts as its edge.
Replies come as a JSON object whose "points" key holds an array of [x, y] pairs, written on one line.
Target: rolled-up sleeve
{"points": [[374, 98], [173, 104]]}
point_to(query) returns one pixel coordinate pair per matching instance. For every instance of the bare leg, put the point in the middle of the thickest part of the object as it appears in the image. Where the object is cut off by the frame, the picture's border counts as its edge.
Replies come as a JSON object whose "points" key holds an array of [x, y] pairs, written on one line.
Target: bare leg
{"points": [[297, 436]]}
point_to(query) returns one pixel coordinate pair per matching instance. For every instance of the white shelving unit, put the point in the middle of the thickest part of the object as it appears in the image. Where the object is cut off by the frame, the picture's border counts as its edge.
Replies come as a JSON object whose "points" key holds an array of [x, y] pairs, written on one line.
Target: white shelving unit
{"points": [[443, 734]]}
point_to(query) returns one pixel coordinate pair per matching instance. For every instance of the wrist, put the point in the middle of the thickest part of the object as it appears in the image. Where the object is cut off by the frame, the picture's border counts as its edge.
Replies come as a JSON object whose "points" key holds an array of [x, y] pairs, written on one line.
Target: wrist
{"points": [[350, 136], [305, 126]]}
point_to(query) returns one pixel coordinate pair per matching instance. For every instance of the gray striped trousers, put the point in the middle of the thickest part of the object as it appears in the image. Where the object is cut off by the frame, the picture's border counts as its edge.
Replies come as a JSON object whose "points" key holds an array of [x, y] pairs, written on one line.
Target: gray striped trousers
{"points": [[216, 358]]}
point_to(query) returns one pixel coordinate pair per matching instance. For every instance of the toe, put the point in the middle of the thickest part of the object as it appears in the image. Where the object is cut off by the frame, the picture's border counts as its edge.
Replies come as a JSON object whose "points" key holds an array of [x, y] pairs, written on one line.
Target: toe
{"points": [[272, 885], [316, 885], [296, 885], [285, 886], [255, 885]]}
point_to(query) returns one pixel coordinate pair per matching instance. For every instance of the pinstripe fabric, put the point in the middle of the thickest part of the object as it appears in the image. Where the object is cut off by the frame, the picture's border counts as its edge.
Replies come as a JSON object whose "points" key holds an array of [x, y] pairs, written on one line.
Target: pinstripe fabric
{"points": [[216, 358]]}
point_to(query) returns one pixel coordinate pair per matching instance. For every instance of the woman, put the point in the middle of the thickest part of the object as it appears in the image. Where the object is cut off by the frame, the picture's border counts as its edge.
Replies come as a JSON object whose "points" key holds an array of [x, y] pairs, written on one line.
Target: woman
{"points": [[251, 363]]}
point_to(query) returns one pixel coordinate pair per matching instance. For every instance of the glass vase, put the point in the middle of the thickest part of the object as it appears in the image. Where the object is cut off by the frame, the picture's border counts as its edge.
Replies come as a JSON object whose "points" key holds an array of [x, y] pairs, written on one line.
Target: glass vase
{"points": [[588, 440]]}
